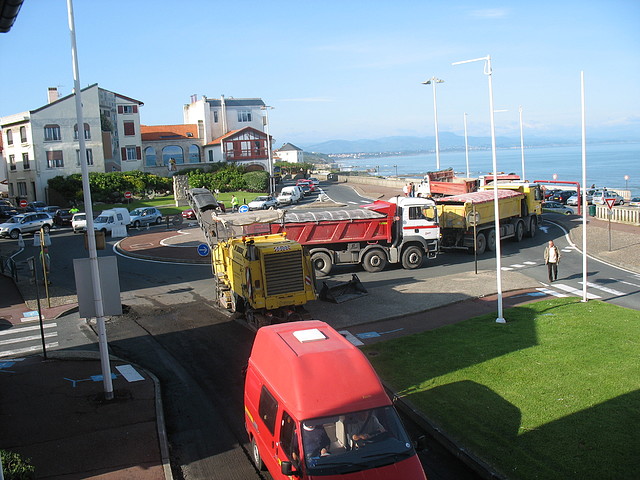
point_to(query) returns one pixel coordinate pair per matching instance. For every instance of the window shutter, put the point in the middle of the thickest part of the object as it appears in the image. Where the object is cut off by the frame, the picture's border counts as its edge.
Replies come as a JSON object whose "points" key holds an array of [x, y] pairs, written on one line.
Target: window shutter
{"points": [[139, 153], [120, 109], [124, 153], [135, 109]]}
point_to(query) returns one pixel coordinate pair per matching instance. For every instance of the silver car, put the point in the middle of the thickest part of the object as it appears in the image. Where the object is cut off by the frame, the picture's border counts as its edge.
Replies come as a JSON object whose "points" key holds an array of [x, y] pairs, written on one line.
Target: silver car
{"points": [[145, 216], [26, 223], [603, 196]]}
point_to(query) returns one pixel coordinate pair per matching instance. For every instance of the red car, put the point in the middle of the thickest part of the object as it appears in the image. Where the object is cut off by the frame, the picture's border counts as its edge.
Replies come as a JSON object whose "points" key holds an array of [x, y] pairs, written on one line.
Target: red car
{"points": [[189, 214], [303, 182]]}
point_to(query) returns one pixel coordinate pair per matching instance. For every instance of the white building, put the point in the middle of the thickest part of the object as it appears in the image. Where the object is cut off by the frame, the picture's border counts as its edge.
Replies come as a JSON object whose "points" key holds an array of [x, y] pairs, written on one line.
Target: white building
{"points": [[231, 129], [290, 153], [43, 143]]}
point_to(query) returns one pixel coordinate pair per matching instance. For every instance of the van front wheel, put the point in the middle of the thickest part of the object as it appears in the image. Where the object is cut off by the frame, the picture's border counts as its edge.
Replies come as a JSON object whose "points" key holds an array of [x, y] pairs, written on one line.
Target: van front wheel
{"points": [[255, 455]]}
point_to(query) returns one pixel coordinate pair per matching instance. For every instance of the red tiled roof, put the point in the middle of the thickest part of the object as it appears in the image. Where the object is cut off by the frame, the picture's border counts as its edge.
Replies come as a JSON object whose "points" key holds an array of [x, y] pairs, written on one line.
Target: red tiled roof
{"points": [[216, 141], [168, 132]]}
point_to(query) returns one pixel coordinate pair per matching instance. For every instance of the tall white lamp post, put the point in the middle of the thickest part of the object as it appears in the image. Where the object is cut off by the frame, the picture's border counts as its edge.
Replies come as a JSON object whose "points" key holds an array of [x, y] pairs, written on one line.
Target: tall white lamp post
{"points": [[266, 109], [488, 72], [522, 143], [626, 182], [466, 144], [432, 81]]}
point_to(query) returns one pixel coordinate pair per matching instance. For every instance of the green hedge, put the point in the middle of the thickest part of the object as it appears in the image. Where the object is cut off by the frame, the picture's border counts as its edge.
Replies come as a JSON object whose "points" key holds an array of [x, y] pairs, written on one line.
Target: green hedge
{"points": [[14, 467]]}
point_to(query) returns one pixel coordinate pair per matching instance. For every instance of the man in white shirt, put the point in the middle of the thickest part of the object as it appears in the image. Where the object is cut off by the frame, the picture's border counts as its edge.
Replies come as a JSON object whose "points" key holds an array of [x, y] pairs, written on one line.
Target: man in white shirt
{"points": [[552, 259]]}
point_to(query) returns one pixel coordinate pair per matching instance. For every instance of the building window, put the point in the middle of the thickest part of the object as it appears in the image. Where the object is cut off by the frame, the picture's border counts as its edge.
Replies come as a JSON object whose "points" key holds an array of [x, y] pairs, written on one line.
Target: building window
{"points": [[194, 154], [23, 134], [87, 132], [22, 189], [127, 109], [25, 161], [129, 128], [211, 155], [172, 152], [89, 154], [150, 156], [9, 137], [54, 159], [215, 116], [130, 153], [12, 162], [244, 116], [52, 133]]}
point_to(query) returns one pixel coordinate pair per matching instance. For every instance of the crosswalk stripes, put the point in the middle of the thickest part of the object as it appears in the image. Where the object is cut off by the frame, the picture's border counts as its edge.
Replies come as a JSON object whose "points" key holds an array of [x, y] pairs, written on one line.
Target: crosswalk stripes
{"points": [[608, 290], [27, 339], [575, 291], [553, 293]]}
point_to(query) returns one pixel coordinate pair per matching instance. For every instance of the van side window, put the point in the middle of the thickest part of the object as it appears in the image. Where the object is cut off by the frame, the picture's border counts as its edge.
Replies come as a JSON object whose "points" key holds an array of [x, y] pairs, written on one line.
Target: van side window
{"points": [[289, 438], [267, 409]]}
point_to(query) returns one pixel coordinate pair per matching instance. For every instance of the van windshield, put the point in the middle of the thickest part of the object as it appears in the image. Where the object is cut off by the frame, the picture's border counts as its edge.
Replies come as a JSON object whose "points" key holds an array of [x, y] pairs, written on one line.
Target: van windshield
{"points": [[354, 441]]}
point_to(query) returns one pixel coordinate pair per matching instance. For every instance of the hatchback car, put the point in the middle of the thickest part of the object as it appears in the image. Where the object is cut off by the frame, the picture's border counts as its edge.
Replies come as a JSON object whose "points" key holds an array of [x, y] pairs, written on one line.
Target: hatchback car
{"points": [[601, 199], [562, 196], [7, 211], [634, 202], [62, 217], [189, 214], [145, 216], [79, 222], [555, 207], [263, 202], [26, 223]]}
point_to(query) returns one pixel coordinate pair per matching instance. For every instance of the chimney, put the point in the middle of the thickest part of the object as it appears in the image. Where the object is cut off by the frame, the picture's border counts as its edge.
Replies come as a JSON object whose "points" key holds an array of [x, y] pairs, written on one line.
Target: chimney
{"points": [[52, 94]]}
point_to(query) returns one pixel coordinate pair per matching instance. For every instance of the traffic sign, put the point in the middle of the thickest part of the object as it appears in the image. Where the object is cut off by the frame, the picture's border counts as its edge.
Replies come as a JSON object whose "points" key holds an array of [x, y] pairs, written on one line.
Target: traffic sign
{"points": [[610, 202], [23, 203], [243, 209], [203, 249], [127, 194]]}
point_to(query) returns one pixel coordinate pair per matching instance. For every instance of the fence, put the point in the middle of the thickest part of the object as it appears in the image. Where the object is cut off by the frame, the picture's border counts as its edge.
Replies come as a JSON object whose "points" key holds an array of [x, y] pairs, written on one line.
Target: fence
{"points": [[619, 214]]}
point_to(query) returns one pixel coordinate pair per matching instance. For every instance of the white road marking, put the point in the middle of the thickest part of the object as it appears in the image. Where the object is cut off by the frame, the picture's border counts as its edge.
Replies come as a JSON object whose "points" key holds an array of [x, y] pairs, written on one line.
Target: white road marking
{"points": [[628, 283], [517, 265], [26, 329], [575, 291], [506, 269], [351, 337], [27, 339], [530, 263], [604, 289], [551, 292], [20, 351]]}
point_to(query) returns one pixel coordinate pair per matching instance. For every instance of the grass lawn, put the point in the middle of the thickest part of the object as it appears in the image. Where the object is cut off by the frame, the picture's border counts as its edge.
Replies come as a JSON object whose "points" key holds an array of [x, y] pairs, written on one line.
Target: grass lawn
{"points": [[553, 394]]}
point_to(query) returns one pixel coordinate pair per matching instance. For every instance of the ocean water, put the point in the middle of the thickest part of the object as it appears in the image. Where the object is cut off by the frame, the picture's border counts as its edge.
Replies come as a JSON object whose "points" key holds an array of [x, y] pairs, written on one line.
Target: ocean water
{"points": [[607, 164]]}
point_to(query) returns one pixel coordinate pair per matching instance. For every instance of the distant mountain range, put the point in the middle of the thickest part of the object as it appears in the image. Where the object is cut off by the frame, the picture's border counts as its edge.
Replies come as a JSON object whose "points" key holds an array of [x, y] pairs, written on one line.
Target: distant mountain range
{"points": [[447, 141]]}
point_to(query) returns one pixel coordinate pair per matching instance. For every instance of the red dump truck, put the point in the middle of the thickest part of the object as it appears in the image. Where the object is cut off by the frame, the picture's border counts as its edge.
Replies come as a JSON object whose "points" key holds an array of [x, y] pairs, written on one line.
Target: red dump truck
{"points": [[402, 230]]}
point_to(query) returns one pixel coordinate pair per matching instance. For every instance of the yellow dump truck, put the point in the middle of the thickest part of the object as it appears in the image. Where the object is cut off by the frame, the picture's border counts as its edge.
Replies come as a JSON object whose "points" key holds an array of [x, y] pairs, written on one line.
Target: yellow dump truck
{"points": [[467, 220]]}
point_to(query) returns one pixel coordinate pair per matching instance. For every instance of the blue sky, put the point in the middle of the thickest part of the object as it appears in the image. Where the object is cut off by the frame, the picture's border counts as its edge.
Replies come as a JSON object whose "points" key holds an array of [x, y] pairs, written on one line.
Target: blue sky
{"points": [[342, 69]]}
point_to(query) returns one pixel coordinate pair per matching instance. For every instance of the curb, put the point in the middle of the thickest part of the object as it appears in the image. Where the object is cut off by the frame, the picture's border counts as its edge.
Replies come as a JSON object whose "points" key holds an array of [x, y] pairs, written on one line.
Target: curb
{"points": [[160, 422]]}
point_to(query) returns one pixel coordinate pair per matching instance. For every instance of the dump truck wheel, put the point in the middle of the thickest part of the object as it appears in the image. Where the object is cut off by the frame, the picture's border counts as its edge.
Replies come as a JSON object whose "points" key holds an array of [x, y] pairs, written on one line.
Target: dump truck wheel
{"points": [[491, 240], [321, 262], [533, 226], [374, 261], [412, 257], [519, 231], [481, 243]]}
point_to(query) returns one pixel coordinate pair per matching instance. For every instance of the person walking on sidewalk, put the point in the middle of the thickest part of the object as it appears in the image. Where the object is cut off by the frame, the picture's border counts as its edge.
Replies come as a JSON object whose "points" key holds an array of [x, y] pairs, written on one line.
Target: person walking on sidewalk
{"points": [[552, 259]]}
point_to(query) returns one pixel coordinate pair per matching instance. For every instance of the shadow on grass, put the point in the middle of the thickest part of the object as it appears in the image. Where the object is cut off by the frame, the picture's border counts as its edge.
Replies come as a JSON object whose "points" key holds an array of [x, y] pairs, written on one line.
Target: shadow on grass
{"points": [[577, 446]]}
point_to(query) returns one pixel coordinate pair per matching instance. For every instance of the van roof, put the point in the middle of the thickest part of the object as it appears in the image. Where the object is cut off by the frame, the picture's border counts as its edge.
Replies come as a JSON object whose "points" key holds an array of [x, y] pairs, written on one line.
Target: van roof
{"points": [[315, 370]]}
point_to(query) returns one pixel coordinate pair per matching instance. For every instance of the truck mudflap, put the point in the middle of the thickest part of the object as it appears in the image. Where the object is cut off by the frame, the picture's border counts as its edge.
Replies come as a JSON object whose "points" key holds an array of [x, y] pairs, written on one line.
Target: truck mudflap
{"points": [[343, 292]]}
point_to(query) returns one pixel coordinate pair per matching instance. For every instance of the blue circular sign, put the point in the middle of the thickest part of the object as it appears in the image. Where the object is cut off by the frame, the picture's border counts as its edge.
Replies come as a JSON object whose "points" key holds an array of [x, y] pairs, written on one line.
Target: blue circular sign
{"points": [[203, 249], [243, 209]]}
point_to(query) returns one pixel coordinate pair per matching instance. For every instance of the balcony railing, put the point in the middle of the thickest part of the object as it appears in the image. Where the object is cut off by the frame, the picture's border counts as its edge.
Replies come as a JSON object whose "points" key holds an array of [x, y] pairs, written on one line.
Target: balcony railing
{"points": [[239, 155]]}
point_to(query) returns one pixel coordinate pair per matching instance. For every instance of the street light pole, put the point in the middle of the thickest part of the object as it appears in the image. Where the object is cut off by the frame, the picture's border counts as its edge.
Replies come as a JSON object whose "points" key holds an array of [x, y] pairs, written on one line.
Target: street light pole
{"points": [[91, 238], [266, 109], [432, 81], [488, 72], [522, 143], [466, 144], [626, 182]]}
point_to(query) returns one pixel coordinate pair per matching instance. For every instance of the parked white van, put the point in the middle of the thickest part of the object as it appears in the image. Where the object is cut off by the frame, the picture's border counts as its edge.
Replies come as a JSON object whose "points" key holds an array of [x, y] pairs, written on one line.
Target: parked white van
{"points": [[108, 220], [290, 195]]}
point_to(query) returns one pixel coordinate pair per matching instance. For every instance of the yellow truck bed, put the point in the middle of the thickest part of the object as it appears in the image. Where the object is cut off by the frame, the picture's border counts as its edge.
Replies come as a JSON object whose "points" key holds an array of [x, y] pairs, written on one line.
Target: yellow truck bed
{"points": [[457, 211]]}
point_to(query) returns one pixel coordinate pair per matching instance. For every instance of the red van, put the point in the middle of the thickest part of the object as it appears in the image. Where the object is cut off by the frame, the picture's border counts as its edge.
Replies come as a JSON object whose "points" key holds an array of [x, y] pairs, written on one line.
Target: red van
{"points": [[315, 408]]}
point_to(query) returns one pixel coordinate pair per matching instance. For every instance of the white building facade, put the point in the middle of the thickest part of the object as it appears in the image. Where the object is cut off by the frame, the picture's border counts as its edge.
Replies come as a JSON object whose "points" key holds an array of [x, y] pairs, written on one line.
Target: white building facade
{"points": [[290, 153], [43, 143]]}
